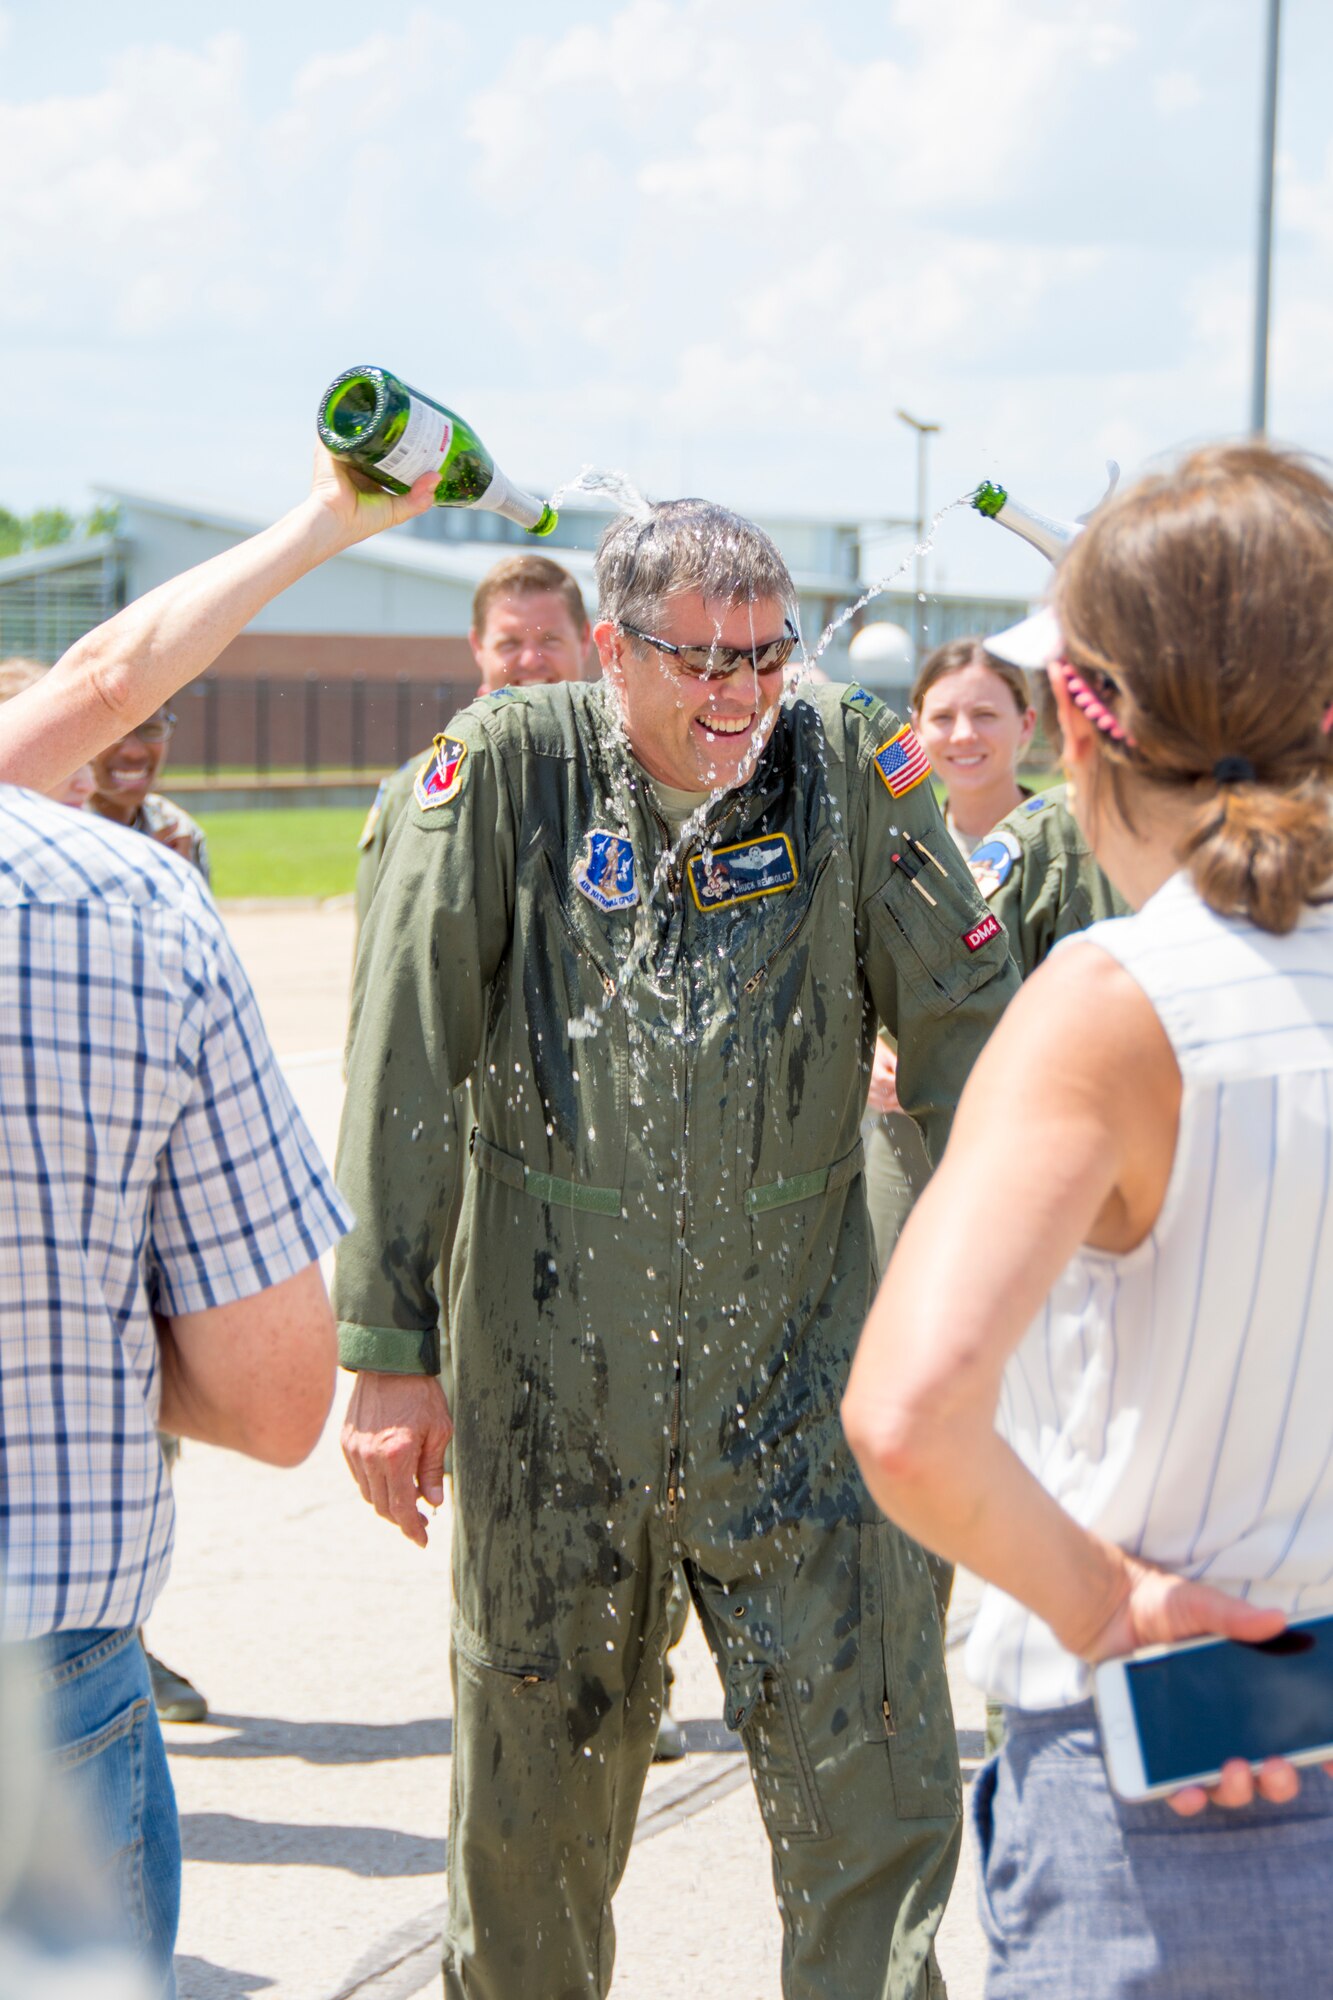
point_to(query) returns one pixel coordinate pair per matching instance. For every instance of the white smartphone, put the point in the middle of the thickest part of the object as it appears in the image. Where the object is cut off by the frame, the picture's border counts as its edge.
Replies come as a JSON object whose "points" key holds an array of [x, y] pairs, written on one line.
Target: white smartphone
{"points": [[1173, 1715]]}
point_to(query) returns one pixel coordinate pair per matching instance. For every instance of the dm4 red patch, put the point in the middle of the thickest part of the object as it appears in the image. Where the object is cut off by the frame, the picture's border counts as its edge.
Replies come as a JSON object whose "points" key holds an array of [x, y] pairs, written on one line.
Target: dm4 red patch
{"points": [[982, 933]]}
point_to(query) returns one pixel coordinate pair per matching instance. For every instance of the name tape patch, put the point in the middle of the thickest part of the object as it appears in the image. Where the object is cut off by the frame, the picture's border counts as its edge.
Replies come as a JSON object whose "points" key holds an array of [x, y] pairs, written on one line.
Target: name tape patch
{"points": [[901, 762], [441, 776], [738, 874], [982, 933], [604, 871]]}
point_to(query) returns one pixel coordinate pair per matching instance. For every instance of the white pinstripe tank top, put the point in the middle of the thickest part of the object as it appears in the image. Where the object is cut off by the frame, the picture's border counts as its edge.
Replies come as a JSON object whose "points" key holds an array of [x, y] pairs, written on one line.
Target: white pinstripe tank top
{"points": [[1179, 1400]]}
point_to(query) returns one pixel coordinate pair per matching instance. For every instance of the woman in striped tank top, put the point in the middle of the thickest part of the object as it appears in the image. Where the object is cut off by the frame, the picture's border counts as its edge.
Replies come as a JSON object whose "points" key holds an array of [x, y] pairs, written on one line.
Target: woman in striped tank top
{"points": [[1118, 1407]]}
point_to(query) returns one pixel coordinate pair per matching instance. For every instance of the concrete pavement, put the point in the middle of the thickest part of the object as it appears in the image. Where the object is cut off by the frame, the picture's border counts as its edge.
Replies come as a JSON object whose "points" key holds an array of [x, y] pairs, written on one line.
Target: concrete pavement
{"points": [[314, 1801]]}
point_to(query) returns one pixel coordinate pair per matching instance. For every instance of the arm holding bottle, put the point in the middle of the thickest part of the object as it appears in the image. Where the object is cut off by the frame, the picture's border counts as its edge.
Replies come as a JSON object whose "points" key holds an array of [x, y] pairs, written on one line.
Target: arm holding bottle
{"points": [[123, 670]]}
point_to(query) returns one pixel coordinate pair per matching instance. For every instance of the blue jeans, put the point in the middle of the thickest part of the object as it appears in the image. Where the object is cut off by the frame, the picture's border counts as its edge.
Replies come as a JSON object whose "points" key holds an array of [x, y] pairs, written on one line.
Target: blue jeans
{"points": [[1084, 1895], [104, 1733]]}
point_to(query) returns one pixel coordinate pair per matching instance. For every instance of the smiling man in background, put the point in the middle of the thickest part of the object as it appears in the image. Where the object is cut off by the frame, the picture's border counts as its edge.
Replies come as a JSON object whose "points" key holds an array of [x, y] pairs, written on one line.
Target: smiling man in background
{"points": [[529, 628], [125, 774]]}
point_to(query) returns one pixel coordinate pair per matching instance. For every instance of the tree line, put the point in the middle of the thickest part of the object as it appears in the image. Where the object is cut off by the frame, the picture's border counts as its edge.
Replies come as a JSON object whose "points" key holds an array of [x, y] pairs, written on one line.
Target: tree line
{"points": [[46, 526]]}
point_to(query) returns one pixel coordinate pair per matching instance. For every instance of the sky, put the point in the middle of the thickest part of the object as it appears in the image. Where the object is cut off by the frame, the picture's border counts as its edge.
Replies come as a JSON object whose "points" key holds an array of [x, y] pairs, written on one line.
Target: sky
{"points": [[712, 244]]}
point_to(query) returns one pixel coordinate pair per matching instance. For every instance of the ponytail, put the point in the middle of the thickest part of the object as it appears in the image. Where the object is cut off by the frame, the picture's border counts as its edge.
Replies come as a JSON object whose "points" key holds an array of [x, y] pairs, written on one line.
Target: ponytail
{"points": [[1255, 851]]}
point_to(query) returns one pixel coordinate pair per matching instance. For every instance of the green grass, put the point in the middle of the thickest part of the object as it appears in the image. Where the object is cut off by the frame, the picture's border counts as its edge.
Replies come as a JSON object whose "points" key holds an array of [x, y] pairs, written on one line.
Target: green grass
{"points": [[298, 852]]}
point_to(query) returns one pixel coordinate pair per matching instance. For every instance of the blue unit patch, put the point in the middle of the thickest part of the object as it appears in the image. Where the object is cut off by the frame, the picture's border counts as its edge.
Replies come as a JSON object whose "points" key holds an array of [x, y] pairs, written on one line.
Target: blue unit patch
{"points": [[859, 697], [504, 694], [993, 862], [604, 871], [736, 874], [1037, 803]]}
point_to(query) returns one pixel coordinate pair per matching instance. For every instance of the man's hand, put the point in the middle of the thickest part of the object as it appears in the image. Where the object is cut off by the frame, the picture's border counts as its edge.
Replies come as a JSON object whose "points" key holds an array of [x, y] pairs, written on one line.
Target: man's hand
{"points": [[1160, 1609], [883, 1096], [359, 507], [170, 833], [394, 1438]]}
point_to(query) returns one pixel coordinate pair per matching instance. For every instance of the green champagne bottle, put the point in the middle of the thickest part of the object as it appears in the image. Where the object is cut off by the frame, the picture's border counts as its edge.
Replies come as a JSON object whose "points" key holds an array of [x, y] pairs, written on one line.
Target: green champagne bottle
{"points": [[393, 434], [1051, 537]]}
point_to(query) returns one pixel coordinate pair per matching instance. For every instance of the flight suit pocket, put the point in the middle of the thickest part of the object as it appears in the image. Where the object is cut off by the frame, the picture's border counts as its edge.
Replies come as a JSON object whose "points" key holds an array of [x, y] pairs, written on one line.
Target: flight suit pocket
{"points": [[760, 1708], [904, 1687], [510, 1742], [944, 948]]}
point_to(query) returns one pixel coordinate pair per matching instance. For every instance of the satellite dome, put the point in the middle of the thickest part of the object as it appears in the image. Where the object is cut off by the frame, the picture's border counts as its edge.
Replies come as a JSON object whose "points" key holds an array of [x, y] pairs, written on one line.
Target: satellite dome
{"points": [[884, 646]]}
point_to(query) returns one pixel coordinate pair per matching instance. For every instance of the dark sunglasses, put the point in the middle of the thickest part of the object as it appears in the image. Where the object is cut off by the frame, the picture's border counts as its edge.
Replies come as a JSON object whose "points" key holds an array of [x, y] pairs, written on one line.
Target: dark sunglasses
{"points": [[715, 663]]}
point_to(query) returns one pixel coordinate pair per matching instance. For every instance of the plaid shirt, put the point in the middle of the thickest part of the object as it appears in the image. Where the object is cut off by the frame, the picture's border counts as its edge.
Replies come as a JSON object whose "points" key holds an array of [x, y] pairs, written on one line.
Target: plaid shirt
{"points": [[151, 1158]]}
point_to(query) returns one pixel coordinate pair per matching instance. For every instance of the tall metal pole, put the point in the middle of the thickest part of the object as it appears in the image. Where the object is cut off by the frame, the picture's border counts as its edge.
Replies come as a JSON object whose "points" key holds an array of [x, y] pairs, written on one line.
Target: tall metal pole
{"points": [[1264, 270], [923, 432]]}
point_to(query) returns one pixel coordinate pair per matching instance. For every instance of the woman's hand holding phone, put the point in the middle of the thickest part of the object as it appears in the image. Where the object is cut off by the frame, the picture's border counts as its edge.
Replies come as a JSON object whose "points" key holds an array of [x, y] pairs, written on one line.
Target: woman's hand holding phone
{"points": [[1159, 1608]]}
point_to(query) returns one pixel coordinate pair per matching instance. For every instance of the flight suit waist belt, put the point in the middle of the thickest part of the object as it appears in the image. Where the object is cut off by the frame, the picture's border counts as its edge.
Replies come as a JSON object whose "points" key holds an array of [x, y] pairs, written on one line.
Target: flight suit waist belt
{"points": [[504, 1167]]}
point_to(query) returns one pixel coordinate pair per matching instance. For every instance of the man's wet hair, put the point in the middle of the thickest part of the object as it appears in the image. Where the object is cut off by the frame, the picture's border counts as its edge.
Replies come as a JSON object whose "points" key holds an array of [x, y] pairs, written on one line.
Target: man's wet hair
{"points": [[679, 546]]}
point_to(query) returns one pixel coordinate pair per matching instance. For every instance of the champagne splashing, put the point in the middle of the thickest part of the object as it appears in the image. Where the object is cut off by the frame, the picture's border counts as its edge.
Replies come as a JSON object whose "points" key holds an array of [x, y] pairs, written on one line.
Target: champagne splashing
{"points": [[604, 484], [909, 556]]}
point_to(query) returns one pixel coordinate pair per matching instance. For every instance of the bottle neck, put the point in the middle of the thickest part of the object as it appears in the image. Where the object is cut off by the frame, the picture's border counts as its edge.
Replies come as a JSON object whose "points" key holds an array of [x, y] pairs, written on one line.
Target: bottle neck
{"points": [[503, 497], [1044, 532]]}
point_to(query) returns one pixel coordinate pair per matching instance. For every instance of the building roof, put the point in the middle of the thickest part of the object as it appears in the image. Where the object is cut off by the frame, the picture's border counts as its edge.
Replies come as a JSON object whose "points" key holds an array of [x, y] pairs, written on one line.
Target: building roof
{"points": [[72, 554], [457, 561], [452, 562]]}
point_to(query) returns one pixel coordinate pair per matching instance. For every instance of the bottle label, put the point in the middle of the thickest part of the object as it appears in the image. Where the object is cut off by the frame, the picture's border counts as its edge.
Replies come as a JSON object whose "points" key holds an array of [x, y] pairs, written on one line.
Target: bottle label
{"points": [[423, 446]]}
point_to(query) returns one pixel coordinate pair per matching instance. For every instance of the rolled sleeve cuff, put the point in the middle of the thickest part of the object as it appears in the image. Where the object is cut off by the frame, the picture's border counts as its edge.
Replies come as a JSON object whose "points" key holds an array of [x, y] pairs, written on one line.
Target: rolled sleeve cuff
{"points": [[388, 1350]]}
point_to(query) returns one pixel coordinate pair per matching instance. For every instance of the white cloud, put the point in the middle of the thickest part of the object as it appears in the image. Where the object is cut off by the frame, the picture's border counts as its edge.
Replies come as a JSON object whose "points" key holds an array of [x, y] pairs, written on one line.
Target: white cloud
{"points": [[1176, 90]]}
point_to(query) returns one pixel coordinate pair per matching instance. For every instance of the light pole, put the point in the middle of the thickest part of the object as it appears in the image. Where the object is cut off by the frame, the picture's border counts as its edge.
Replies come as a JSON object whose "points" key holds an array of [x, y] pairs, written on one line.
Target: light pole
{"points": [[923, 431], [1264, 271]]}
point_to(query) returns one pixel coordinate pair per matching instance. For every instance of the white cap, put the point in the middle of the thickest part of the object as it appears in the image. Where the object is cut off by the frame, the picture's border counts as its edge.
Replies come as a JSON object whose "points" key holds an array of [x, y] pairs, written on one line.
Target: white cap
{"points": [[1033, 642]]}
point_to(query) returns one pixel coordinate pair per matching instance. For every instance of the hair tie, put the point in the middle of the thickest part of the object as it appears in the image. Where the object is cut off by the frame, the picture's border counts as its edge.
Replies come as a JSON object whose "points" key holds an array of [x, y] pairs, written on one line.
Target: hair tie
{"points": [[1234, 771]]}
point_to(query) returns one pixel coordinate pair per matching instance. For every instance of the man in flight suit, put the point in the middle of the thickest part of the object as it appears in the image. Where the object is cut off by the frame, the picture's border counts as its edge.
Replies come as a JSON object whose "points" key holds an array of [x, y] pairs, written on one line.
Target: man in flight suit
{"points": [[658, 918]]}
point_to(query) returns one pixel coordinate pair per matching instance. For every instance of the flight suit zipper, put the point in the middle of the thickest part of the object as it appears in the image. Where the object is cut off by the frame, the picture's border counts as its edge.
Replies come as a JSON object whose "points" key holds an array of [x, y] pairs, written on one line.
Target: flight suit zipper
{"points": [[757, 977], [674, 1487]]}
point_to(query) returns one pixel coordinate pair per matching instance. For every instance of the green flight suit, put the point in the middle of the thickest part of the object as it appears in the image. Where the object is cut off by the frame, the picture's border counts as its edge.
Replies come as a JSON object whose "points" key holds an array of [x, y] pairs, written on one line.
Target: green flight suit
{"points": [[661, 1272], [384, 814], [1039, 876]]}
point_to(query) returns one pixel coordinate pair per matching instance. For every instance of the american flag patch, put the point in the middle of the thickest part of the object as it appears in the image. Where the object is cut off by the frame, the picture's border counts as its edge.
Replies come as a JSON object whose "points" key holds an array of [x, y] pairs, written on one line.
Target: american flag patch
{"points": [[901, 762]]}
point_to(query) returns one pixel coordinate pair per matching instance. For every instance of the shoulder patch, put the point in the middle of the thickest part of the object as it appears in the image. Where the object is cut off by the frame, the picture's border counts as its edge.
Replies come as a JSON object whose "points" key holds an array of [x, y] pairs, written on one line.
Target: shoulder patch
{"points": [[862, 699], [723, 875], [901, 762], [441, 776], [372, 817], [1037, 803], [504, 694], [993, 862], [604, 871]]}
